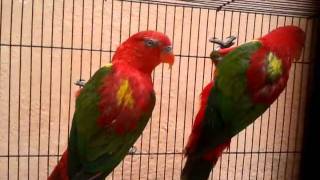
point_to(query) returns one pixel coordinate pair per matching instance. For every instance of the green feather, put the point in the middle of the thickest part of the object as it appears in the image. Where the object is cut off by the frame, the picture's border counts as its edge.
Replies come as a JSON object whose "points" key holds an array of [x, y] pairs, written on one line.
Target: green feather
{"points": [[91, 148], [83, 126], [232, 69], [230, 108]]}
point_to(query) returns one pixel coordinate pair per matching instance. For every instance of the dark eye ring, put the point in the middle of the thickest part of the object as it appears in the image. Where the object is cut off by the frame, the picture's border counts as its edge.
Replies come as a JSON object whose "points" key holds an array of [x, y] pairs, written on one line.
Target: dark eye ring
{"points": [[150, 43]]}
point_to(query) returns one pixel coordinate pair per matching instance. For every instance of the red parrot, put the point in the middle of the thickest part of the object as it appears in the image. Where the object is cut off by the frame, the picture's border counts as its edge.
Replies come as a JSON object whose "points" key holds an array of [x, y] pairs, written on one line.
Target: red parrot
{"points": [[113, 108], [248, 79]]}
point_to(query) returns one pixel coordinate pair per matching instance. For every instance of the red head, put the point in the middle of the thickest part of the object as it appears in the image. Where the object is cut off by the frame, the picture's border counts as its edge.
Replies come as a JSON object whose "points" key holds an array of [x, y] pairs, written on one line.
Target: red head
{"points": [[286, 42], [145, 50], [269, 67]]}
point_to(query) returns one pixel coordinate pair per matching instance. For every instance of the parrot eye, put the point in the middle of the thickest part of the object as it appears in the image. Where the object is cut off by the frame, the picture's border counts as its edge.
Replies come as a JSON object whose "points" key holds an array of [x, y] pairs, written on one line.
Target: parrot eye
{"points": [[150, 43]]}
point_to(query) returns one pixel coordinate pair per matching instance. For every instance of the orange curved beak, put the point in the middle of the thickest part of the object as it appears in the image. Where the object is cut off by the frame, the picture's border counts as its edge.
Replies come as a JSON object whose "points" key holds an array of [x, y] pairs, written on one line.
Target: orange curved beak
{"points": [[167, 56]]}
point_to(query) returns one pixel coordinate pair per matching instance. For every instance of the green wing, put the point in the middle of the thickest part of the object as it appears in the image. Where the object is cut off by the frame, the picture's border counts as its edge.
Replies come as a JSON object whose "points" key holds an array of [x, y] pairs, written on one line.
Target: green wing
{"points": [[229, 108], [93, 150], [231, 78]]}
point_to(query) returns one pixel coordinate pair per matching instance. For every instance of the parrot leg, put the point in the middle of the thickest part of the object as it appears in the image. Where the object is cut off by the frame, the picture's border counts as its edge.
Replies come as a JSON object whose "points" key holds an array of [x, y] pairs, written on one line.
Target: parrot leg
{"points": [[217, 54], [223, 44], [80, 83]]}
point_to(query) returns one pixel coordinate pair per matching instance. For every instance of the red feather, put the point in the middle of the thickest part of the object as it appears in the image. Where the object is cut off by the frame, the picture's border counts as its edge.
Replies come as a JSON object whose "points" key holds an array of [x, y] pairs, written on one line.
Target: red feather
{"points": [[215, 153], [286, 43], [60, 172], [120, 117], [149, 59], [133, 61], [196, 129], [225, 51]]}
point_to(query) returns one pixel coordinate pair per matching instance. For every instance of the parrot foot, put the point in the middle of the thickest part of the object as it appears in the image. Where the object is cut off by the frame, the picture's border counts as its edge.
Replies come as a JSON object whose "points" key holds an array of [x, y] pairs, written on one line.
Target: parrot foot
{"points": [[215, 57], [132, 150], [80, 83], [229, 41]]}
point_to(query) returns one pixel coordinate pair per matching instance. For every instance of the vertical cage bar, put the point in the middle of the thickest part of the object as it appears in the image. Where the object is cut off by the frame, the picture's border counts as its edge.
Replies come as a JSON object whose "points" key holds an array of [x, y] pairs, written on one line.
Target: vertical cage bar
{"points": [[19, 87], [111, 30], [214, 35], [81, 43], [61, 67], [276, 117], [151, 118], [253, 124], [196, 68], [91, 38], [169, 102], [9, 101], [50, 87], [237, 136], [211, 75], [268, 120], [120, 39], [290, 117], [260, 129], [40, 99], [110, 47], [101, 35], [177, 102], [131, 157], [245, 130], [30, 88], [1, 11], [187, 82], [141, 137], [222, 36], [299, 105], [161, 95], [205, 47], [71, 69], [228, 153], [237, 145]]}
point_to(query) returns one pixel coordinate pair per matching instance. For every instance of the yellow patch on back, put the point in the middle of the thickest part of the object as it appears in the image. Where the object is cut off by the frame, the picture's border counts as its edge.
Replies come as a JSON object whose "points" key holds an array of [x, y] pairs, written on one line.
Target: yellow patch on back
{"points": [[108, 65], [254, 40], [274, 67], [124, 94]]}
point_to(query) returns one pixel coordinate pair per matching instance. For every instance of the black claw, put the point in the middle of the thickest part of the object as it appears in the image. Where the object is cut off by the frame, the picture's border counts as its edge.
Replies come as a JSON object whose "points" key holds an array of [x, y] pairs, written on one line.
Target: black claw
{"points": [[80, 83], [230, 41]]}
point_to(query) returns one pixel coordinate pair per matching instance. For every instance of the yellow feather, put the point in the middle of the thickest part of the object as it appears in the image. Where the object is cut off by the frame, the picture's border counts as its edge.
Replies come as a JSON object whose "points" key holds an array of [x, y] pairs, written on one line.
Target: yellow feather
{"points": [[274, 67], [124, 94], [108, 65]]}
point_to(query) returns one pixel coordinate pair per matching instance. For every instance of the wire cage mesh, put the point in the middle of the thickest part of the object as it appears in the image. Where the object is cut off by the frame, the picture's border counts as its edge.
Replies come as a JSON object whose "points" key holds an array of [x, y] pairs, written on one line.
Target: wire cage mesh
{"points": [[48, 45]]}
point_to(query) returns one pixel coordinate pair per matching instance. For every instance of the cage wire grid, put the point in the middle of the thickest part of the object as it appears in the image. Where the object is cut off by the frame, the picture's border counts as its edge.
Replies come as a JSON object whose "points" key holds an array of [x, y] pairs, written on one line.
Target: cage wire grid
{"points": [[47, 45]]}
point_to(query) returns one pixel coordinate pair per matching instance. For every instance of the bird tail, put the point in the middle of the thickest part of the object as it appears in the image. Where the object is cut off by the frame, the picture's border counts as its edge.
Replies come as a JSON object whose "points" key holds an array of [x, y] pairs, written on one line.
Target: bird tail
{"points": [[60, 172], [197, 168]]}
